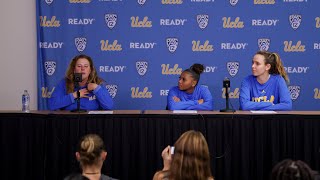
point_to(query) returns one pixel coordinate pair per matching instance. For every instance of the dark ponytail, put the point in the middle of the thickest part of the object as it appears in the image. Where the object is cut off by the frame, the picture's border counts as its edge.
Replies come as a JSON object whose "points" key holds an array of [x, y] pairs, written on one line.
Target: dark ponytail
{"points": [[195, 70]]}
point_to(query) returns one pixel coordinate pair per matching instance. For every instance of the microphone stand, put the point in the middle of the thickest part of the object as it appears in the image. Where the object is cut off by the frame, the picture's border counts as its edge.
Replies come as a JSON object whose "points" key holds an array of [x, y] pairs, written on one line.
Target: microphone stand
{"points": [[76, 84], [226, 84]]}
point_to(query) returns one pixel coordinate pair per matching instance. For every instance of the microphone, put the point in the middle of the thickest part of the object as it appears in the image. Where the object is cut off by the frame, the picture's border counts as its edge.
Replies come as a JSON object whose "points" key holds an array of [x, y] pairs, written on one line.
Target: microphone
{"points": [[77, 77], [226, 85]]}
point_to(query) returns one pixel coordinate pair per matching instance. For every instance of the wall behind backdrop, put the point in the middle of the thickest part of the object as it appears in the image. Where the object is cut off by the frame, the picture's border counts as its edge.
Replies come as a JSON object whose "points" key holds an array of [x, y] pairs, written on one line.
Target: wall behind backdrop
{"points": [[18, 47], [141, 46]]}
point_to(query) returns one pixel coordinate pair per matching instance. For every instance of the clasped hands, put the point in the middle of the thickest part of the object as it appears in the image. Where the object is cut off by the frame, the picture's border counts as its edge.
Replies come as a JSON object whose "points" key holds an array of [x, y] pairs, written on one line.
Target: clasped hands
{"points": [[176, 99], [86, 91]]}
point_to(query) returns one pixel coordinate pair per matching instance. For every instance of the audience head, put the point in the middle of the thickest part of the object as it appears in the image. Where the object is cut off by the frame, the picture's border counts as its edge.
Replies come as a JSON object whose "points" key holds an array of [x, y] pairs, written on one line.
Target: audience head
{"points": [[292, 170], [91, 151], [191, 159], [189, 78], [272, 62]]}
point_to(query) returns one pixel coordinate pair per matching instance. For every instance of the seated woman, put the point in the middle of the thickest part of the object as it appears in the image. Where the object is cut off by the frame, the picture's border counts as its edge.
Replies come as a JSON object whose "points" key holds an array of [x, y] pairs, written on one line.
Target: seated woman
{"points": [[266, 88], [188, 95], [91, 155], [191, 159], [93, 92]]}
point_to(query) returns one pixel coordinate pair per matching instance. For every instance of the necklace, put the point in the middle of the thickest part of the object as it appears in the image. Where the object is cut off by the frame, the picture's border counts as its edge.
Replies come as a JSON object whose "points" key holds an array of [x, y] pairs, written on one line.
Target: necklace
{"points": [[92, 173]]}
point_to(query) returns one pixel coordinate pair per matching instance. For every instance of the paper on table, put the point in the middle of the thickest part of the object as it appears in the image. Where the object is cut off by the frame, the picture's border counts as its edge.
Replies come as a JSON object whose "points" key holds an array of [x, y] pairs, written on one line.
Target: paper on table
{"points": [[263, 112], [100, 112], [185, 111]]}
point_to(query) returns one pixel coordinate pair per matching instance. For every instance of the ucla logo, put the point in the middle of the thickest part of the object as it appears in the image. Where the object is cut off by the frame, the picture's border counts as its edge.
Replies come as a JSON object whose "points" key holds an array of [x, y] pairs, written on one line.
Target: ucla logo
{"points": [[50, 67], [79, 1], [317, 22], [233, 2], [135, 93], [234, 94], [172, 44], [316, 93], [142, 67], [228, 23], [294, 92], [49, 1], [166, 70], [105, 46], [263, 44], [233, 68], [81, 43], [44, 22], [202, 20], [141, 2], [140, 24], [171, 1], [205, 47], [288, 47], [111, 20], [45, 93], [264, 2], [295, 21], [112, 89]]}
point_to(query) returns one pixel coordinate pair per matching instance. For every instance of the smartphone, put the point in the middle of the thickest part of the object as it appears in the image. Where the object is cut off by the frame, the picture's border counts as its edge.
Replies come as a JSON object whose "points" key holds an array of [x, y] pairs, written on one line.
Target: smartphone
{"points": [[172, 150]]}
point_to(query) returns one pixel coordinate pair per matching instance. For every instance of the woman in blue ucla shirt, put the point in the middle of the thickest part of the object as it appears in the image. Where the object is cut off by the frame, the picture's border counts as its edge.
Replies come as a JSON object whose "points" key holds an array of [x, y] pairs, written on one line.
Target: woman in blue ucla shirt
{"points": [[93, 92], [266, 88], [188, 95]]}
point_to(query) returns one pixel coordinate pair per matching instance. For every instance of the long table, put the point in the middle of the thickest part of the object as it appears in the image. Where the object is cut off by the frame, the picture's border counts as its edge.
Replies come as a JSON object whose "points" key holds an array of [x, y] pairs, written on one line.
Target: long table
{"points": [[243, 145]]}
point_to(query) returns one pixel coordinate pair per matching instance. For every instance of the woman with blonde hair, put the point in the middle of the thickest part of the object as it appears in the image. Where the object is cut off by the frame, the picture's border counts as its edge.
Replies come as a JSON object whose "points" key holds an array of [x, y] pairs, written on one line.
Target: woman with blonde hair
{"points": [[266, 88], [93, 92], [191, 159], [91, 154]]}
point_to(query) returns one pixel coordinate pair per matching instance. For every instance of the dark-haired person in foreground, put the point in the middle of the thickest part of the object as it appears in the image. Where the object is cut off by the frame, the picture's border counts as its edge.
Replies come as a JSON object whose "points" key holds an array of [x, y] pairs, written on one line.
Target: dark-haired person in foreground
{"points": [[188, 95], [293, 170]]}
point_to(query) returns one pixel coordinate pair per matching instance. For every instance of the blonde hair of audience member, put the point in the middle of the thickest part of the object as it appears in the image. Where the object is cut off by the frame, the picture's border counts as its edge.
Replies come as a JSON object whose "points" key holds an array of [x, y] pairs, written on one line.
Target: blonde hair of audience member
{"points": [[91, 155], [292, 170], [191, 159]]}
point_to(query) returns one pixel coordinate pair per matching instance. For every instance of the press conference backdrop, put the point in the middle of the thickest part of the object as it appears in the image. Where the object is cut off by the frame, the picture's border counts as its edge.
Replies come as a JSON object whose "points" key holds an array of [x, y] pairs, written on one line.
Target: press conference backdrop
{"points": [[140, 47]]}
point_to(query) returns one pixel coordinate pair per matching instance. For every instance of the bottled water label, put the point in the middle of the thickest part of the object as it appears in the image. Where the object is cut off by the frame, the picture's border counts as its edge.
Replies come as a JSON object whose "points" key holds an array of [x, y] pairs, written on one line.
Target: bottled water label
{"points": [[25, 101]]}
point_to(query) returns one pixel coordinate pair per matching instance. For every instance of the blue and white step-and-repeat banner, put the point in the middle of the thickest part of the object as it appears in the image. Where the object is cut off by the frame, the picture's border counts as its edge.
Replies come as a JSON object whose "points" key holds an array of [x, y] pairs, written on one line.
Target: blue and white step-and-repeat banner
{"points": [[140, 47]]}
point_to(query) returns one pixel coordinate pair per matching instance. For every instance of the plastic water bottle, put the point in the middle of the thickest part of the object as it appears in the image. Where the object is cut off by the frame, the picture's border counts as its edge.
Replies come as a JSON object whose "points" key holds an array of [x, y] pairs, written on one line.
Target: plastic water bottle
{"points": [[26, 101]]}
